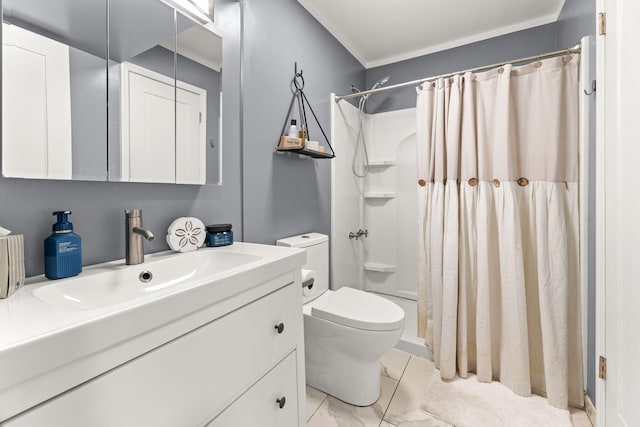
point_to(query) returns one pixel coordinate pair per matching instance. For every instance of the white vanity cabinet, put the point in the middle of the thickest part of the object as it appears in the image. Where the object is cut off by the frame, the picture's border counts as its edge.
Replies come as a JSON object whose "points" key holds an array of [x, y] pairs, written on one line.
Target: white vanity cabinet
{"points": [[244, 368]]}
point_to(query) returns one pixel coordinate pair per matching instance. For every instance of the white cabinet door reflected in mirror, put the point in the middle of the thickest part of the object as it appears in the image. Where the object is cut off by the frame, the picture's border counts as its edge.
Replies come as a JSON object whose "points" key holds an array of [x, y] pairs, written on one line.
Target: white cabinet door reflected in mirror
{"points": [[36, 131], [191, 132], [153, 148]]}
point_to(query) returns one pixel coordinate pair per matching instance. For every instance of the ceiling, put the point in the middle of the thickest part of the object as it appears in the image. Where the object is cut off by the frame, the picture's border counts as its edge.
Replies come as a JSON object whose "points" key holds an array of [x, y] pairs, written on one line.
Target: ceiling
{"points": [[379, 32]]}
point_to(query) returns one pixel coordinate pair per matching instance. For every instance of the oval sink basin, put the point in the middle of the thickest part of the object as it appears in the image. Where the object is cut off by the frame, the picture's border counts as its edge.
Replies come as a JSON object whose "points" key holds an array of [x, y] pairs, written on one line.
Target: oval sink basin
{"points": [[116, 283]]}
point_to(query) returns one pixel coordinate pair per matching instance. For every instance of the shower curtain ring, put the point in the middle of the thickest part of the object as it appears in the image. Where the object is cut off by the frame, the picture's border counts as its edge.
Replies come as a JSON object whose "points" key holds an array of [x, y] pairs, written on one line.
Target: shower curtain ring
{"points": [[538, 63]]}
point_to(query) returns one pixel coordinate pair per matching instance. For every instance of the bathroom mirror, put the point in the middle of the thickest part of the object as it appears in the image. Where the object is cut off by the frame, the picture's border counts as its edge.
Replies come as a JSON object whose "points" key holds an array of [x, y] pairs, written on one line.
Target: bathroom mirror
{"points": [[54, 89], [199, 82], [159, 70], [141, 91]]}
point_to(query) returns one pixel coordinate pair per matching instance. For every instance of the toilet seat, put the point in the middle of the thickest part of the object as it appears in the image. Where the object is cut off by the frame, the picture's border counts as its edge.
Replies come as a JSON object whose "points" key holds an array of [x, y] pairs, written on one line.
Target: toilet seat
{"points": [[358, 309]]}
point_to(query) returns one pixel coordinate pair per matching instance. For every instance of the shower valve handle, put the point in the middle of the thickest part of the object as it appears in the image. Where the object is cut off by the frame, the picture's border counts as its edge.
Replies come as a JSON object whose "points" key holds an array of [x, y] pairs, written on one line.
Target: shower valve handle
{"points": [[358, 234]]}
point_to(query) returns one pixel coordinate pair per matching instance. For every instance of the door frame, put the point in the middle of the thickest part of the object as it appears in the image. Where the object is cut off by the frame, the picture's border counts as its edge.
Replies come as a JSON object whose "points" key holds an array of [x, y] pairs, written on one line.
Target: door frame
{"points": [[600, 171], [125, 69]]}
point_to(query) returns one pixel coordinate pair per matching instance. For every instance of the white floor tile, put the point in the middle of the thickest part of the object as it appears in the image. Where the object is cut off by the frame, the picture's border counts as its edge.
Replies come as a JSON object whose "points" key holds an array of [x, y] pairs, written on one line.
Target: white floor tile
{"points": [[406, 402], [335, 413], [393, 362], [579, 418], [399, 402], [314, 400], [419, 418]]}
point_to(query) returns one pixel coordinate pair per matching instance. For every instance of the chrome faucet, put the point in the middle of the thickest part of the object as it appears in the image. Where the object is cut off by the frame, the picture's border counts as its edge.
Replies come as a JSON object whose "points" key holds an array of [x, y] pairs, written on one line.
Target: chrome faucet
{"points": [[358, 234], [134, 247]]}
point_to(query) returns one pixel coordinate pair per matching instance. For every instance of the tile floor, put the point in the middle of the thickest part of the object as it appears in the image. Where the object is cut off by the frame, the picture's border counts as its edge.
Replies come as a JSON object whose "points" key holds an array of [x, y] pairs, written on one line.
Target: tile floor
{"points": [[403, 380]]}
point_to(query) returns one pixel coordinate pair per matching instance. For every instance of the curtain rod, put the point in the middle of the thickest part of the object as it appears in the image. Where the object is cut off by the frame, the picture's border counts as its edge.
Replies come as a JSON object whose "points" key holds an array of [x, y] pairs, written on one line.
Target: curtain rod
{"points": [[568, 51]]}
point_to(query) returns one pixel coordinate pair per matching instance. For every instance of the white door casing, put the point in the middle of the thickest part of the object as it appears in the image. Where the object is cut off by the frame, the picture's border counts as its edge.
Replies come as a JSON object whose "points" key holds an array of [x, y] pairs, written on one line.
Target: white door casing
{"points": [[191, 114], [36, 130], [163, 128], [618, 214]]}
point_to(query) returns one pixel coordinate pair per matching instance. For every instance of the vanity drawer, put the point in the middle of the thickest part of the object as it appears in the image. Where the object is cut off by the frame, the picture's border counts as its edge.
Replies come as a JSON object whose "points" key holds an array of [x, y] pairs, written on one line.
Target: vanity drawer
{"points": [[189, 380], [271, 402]]}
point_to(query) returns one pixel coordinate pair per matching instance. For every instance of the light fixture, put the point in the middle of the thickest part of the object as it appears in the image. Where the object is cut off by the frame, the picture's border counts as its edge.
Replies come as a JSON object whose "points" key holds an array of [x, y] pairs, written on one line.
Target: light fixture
{"points": [[202, 10]]}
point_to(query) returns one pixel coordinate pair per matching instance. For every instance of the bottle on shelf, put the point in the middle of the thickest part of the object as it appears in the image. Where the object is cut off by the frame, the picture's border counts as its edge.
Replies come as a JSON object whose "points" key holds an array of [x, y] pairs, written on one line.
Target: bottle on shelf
{"points": [[302, 134], [293, 130], [291, 140]]}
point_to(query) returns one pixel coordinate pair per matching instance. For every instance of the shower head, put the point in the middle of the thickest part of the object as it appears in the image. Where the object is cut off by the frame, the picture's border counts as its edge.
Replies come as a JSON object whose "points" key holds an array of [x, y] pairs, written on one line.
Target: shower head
{"points": [[376, 85], [380, 82], [354, 89]]}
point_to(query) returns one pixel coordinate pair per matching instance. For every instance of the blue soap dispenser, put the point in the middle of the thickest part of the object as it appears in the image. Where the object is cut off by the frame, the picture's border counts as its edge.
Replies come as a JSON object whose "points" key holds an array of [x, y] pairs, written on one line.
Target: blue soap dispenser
{"points": [[62, 250]]}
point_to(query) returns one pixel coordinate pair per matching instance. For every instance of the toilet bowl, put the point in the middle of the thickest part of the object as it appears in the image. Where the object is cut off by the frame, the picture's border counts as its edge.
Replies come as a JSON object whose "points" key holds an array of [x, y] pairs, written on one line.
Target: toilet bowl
{"points": [[345, 331]]}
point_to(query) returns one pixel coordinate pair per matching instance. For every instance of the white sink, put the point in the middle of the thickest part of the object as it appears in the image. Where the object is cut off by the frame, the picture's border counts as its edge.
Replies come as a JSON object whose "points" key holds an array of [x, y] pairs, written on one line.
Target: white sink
{"points": [[108, 285]]}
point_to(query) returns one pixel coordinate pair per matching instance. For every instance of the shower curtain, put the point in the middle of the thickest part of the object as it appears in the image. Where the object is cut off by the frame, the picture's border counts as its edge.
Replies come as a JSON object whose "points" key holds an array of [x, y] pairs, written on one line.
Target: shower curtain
{"points": [[499, 287]]}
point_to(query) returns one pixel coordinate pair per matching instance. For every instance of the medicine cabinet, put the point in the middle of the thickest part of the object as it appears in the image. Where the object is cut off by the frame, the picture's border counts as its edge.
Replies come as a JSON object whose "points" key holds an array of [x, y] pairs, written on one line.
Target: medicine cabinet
{"points": [[118, 90]]}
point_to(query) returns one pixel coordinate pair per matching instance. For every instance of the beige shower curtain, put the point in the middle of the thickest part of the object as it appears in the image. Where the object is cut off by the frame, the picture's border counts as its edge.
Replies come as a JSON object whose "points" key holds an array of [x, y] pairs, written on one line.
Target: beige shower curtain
{"points": [[499, 287]]}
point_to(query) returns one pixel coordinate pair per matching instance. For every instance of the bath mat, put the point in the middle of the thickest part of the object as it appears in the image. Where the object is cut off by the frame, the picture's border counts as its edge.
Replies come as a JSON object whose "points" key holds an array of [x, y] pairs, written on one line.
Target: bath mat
{"points": [[470, 403]]}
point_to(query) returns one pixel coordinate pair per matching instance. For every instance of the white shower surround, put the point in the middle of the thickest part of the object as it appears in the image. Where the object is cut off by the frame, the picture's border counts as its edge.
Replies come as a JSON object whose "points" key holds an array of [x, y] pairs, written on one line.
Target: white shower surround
{"points": [[385, 203]]}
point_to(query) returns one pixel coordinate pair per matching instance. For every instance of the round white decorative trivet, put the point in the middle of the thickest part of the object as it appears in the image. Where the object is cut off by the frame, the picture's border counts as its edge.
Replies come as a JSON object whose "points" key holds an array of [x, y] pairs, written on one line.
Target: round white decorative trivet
{"points": [[186, 234]]}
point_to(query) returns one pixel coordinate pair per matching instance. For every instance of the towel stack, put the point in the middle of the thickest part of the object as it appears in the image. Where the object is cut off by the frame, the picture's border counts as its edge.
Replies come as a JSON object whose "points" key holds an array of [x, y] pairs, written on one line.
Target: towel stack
{"points": [[11, 264]]}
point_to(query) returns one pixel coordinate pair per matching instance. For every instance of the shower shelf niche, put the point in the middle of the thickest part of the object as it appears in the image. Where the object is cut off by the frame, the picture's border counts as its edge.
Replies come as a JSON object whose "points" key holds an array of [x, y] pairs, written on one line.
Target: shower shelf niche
{"points": [[379, 267], [379, 195], [381, 163]]}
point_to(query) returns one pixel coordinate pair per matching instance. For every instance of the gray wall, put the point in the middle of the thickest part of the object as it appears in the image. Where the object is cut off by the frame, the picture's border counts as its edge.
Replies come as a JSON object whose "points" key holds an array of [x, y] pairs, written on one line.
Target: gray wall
{"points": [[88, 113], [285, 194], [26, 205], [576, 20]]}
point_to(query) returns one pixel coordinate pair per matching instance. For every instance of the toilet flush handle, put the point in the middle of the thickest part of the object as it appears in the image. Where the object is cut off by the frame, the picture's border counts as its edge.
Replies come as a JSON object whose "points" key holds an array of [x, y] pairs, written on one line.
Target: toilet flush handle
{"points": [[281, 402], [279, 327]]}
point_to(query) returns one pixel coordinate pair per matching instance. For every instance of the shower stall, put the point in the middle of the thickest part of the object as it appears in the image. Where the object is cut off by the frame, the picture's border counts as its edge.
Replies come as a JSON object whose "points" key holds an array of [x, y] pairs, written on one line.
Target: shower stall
{"points": [[375, 214], [373, 180]]}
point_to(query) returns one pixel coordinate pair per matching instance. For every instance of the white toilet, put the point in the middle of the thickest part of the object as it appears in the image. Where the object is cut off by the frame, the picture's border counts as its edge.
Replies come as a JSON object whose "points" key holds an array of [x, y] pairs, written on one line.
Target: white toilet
{"points": [[345, 331]]}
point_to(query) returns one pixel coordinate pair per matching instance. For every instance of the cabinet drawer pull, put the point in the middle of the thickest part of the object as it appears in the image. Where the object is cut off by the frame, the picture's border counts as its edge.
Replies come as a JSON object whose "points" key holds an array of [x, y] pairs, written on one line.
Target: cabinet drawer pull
{"points": [[281, 402], [280, 327]]}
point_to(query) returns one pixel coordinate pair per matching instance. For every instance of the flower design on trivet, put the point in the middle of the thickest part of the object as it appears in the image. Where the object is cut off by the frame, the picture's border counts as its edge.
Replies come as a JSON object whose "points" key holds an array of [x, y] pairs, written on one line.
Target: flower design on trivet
{"points": [[188, 234]]}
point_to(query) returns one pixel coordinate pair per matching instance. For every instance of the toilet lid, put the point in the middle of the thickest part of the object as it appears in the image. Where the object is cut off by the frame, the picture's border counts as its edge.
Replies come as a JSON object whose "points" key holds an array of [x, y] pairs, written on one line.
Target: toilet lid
{"points": [[358, 309]]}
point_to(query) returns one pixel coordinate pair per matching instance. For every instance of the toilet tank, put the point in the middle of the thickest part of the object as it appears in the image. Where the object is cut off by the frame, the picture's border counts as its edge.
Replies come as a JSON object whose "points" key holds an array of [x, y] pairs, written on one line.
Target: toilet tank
{"points": [[317, 247]]}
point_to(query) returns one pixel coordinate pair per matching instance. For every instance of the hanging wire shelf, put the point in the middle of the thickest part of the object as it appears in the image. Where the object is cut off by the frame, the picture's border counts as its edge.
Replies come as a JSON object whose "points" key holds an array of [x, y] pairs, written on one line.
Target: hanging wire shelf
{"points": [[300, 99]]}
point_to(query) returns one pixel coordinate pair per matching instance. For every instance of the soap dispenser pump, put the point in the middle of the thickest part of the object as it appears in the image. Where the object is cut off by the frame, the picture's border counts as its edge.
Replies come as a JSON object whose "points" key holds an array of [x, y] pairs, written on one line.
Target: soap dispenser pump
{"points": [[62, 250]]}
